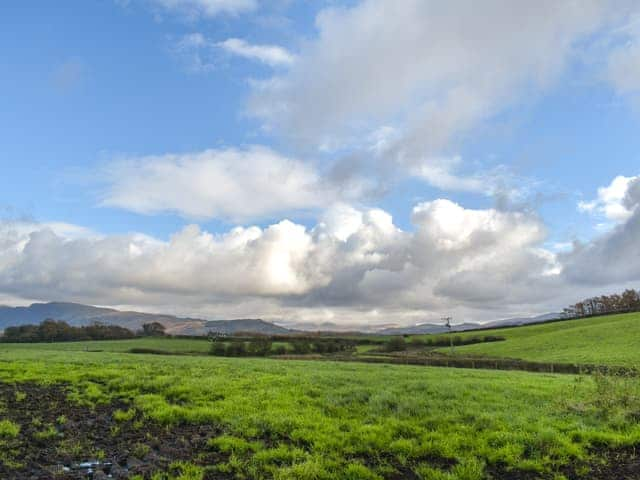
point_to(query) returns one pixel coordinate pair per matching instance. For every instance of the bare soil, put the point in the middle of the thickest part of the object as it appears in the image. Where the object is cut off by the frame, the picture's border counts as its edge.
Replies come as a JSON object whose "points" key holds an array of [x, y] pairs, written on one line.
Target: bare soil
{"points": [[120, 449]]}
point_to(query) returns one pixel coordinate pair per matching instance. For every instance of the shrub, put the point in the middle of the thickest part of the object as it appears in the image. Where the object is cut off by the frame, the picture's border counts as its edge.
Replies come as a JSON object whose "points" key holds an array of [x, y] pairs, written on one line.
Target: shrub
{"points": [[259, 348], [396, 344], [218, 348], [301, 347], [280, 350], [236, 349]]}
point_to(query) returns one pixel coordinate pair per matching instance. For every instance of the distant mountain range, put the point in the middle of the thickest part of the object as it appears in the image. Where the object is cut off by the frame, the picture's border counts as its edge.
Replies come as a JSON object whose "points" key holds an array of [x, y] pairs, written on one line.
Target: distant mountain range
{"points": [[426, 328], [77, 314]]}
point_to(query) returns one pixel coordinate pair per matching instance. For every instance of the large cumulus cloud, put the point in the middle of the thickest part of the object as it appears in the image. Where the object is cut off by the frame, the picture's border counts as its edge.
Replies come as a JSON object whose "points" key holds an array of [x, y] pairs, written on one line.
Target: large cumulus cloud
{"points": [[615, 256], [350, 261]]}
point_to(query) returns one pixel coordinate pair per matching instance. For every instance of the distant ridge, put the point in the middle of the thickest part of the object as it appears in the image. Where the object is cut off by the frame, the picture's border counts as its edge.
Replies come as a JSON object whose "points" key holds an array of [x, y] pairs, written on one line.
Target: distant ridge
{"points": [[431, 328], [77, 315], [425, 328]]}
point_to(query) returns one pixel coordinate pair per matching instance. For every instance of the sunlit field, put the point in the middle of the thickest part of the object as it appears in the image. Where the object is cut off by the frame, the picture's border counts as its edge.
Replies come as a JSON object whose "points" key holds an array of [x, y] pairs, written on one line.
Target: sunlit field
{"points": [[606, 340], [323, 420]]}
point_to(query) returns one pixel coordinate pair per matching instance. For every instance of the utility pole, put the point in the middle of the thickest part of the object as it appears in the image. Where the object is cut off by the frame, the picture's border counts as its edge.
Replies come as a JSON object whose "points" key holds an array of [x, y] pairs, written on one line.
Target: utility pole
{"points": [[447, 323]]}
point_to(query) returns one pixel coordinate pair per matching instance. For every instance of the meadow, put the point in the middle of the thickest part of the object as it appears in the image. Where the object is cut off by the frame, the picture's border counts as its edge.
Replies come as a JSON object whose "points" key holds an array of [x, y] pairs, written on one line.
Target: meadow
{"points": [[267, 418], [608, 340]]}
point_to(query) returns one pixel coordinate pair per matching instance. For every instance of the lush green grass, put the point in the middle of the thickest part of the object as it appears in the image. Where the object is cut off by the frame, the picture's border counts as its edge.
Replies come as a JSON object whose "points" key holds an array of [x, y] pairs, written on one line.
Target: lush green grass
{"points": [[173, 345], [326, 420], [607, 340]]}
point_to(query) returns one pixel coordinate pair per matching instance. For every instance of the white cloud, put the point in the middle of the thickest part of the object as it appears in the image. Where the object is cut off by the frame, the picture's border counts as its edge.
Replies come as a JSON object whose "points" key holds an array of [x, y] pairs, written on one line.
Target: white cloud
{"points": [[231, 184], [194, 50], [201, 54], [355, 266], [614, 201], [440, 172], [206, 8], [613, 257], [352, 263], [433, 70], [272, 55]]}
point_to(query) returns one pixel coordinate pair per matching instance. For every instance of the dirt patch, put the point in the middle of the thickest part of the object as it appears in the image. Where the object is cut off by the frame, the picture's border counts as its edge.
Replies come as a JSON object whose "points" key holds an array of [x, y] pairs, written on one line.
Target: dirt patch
{"points": [[56, 437]]}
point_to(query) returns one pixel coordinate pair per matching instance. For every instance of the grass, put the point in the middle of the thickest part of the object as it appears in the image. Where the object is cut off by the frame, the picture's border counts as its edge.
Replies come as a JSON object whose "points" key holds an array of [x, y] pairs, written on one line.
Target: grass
{"points": [[608, 340], [8, 429], [173, 345], [325, 420]]}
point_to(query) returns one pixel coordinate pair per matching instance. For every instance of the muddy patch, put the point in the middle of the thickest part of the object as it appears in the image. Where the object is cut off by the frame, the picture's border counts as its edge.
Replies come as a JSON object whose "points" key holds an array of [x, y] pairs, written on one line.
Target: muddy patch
{"points": [[61, 440]]}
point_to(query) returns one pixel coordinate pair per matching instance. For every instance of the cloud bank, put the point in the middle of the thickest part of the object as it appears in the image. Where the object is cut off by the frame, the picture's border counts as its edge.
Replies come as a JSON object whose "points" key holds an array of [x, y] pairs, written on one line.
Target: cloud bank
{"points": [[355, 264]]}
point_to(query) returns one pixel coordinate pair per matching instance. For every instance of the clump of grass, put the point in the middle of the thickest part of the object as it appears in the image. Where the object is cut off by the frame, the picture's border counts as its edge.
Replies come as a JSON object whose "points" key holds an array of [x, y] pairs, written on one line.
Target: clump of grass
{"points": [[71, 447], [230, 444], [46, 434], [20, 396], [182, 471], [9, 429], [140, 450], [124, 415]]}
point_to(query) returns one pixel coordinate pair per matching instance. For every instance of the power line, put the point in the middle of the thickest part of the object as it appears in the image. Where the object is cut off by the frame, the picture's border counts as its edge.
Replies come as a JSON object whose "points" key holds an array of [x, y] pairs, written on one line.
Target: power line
{"points": [[447, 323]]}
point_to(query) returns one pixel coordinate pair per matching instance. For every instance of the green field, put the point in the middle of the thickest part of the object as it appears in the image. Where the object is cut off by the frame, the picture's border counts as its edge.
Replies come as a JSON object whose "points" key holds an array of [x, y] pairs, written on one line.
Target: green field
{"points": [[327, 420], [172, 345], [608, 340]]}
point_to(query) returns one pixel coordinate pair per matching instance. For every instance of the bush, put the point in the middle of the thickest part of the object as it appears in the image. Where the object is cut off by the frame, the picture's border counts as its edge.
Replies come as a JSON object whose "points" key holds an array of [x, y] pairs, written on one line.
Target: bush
{"points": [[236, 349], [280, 350], [259, 348], [218, 348], [301, 347], [396, 344]]}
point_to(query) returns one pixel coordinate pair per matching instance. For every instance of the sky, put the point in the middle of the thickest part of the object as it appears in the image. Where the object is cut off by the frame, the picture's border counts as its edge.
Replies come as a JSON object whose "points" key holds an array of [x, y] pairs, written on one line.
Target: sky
{"points": [[367, 162]]}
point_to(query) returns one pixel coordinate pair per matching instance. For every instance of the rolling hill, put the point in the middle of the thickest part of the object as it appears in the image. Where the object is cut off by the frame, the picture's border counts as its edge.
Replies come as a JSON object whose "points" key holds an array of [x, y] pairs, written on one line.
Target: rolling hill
{"points": [[77, 314], [605, 340]]}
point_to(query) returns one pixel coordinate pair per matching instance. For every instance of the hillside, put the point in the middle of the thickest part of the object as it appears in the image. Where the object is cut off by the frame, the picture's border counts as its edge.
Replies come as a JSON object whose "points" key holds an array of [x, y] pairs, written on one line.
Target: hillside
{"points": [[607, 340], [77, 315]]}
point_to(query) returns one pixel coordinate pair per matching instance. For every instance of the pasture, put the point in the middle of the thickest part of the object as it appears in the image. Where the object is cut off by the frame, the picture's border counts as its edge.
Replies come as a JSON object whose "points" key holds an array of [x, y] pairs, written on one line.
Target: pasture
{"points": [[266, 418]]}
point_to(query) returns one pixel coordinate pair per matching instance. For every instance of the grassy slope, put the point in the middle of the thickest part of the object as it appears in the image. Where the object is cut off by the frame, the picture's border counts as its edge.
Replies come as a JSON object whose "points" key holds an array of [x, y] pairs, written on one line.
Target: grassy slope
{"points": [[607, 340], [317, 420]]}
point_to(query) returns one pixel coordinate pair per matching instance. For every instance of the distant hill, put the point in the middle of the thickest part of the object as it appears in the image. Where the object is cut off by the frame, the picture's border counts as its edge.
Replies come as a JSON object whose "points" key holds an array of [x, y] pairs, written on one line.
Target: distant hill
{"points": [[252, 325], [433, 328], [77, 314], [427, 328]]}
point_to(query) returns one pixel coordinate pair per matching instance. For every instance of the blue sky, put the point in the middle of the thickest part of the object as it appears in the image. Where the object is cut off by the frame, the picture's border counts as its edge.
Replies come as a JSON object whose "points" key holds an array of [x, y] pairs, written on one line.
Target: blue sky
{"points": [[123, 119]]}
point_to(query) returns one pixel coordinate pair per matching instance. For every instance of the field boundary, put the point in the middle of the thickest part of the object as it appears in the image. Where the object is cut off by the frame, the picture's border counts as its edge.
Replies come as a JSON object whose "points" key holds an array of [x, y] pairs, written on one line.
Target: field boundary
{"points": [[478, 363]]}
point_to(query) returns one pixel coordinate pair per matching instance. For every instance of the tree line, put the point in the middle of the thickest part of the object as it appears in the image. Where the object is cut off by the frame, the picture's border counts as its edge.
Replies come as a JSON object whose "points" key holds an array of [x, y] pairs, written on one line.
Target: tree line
{"points": [[59, 331], [263, 346], [627, 301]]}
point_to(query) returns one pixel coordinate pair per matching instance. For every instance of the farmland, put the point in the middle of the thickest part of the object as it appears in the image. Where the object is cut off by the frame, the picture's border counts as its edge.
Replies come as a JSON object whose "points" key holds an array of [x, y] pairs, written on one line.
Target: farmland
{"points": [[266, 418], [607, 340]]}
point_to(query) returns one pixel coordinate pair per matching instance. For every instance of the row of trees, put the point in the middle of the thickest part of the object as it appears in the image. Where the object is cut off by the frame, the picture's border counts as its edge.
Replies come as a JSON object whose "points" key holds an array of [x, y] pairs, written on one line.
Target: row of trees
{"points": [[262, 346], [627, 301], [58, 331]]}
